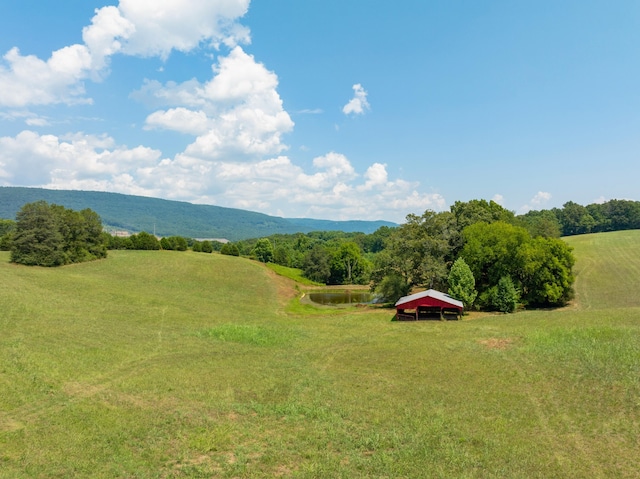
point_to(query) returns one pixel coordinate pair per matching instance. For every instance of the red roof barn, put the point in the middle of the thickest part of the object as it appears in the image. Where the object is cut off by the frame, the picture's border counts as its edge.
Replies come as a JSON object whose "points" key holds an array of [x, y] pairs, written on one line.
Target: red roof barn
{"points": [[428, 304]]}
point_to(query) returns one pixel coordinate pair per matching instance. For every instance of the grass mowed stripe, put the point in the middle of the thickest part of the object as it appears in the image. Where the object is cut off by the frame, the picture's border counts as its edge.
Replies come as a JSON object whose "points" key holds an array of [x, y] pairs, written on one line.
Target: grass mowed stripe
{"points": [[608, 270], [166, 364]]}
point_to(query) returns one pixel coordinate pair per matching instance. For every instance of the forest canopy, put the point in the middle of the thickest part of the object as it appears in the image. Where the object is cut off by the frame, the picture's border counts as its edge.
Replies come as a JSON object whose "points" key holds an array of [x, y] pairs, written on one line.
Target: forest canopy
{"points": [[52, 235]]}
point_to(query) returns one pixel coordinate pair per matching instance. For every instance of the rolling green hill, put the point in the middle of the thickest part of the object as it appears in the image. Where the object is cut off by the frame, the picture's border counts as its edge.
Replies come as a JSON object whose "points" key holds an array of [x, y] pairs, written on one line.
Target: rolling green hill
{"points": [[169, 364], [167, 218]]}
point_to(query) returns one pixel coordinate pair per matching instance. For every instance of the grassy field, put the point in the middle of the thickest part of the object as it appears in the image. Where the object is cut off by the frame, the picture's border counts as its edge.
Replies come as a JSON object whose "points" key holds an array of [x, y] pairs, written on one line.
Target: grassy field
{"points": [[167, 364]]}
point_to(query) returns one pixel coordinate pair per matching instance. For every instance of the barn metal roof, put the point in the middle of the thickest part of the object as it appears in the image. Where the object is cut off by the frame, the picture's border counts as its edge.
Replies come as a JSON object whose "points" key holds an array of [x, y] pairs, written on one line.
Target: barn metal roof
{"points": [[430, 293]]}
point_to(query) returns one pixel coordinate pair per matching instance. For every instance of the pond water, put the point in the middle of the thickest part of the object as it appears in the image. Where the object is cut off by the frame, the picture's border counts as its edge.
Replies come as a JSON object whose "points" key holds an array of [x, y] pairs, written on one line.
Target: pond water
{"points": [[342, 297]]}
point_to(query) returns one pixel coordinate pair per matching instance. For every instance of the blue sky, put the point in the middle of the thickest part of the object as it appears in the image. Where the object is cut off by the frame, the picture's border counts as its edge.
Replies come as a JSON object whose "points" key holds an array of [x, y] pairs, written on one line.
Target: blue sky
{"points": [[334, 109]]}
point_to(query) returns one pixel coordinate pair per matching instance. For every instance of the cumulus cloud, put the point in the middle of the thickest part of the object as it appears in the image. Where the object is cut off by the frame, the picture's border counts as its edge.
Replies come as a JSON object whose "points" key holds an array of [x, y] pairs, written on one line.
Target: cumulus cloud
{"points": [[358, 105], [498, 198], [180, 119], [182, 25], [132, 28], [75, 161], [333, 189], [27, 80], [537, 202], [238, 113]]}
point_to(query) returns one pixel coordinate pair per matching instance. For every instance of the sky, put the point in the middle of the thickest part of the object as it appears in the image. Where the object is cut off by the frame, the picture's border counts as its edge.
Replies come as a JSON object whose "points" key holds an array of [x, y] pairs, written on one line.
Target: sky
{"points": [[327, 109]]}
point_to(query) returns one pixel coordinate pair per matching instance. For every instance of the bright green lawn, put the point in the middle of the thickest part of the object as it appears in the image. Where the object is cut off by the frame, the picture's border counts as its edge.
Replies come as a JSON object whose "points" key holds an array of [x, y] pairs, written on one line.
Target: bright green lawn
{"points": [[167, 364]]}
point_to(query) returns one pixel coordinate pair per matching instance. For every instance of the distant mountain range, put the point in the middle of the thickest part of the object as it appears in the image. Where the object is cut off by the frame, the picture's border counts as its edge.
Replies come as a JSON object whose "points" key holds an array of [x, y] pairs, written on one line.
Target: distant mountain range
{"points": [[168, 218]]}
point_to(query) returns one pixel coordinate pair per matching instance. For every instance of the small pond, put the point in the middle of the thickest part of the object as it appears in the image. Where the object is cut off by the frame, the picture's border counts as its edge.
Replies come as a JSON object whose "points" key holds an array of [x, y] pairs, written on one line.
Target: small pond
{"points": [[342, 297]]}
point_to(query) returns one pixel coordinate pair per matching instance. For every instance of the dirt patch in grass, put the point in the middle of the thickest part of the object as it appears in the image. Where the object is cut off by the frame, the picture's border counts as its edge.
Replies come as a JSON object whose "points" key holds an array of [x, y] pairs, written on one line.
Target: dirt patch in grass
{"points": [[10, 425], [497, 343], [286, 287]]}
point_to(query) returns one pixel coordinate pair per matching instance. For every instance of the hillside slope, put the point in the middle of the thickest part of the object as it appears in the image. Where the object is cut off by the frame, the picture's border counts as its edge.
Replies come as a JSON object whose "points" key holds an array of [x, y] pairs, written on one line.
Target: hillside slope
{"points": [[179, 364], [166, 218], [608, 269]]}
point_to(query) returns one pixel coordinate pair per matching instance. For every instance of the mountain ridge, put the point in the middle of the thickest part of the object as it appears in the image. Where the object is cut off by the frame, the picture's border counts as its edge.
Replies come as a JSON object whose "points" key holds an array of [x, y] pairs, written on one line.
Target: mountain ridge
{"points": [[168, 217]]}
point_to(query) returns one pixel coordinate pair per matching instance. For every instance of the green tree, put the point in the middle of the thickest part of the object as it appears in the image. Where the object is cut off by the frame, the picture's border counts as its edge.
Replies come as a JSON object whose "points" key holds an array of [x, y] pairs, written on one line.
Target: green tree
{"points": [[144, 241], [174, 243], [37, 239], [505, 296], [206, 246], [417, 252], [263, 250], [83, 238], [7, 227], [392, 287], [575, 219], [52, 235], [545, 274], [462, 284], [543, 223], [490, 251], [347, 264], [230, 249], [480, 211], [317, 264]]}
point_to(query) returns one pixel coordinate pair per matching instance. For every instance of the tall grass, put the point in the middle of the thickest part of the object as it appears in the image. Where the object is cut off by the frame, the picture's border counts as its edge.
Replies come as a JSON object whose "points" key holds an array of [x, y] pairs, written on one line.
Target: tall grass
{"points": [[167, 364]]}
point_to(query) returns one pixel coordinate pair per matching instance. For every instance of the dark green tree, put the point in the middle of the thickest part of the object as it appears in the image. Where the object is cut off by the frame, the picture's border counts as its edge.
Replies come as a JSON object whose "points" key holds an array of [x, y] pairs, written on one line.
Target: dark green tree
{"points": [[174, 243], [230, 249], [51, 235], [391, 288], [575, 219], [317, 264], [144, 241], [37, 240], [7, 227], [543, 223]]}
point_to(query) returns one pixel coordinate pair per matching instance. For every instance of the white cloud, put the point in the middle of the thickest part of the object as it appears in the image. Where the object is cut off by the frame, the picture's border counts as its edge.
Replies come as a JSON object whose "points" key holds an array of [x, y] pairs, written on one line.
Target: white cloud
{"points": [[334, 189], [358, 105], [237, 114], [163, 26], [540, 198], [310, 111], [27, 80], [180, 119], [498, 198], [71, 162], [376, 175], [537, 202], [29, 118], [105, 35], [132, 28]]}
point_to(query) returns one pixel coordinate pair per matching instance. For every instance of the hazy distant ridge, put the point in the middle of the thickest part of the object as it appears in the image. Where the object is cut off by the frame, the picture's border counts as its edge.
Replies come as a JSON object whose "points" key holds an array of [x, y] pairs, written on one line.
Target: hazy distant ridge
{"points": [[166, 218]]}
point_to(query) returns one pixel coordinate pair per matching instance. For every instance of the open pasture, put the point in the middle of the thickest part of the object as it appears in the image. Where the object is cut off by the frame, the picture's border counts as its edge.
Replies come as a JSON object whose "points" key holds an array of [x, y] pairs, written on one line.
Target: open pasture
{"points": [[167, 364]]}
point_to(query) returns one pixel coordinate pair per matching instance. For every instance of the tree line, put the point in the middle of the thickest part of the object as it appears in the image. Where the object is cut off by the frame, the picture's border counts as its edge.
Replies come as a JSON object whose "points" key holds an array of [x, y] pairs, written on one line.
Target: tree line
{"points": [[479, 251]]}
